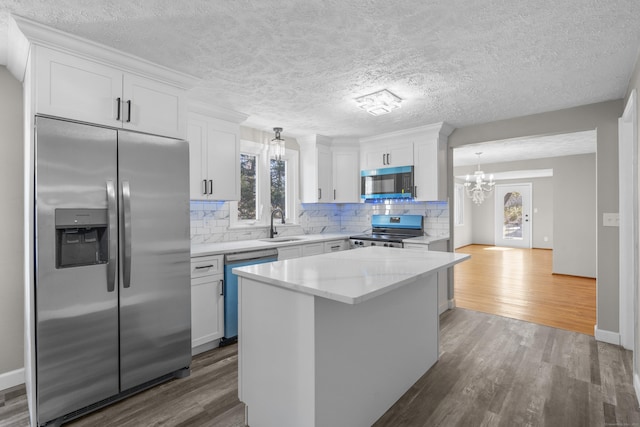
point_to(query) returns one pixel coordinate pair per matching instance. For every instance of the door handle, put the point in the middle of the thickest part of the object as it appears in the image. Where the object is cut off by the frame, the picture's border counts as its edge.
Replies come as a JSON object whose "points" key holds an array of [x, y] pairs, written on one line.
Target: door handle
{"points": [[129, 108], [221, 287], [204, 186], [119, 100], [388, 159], [126, 220], [384, 158], [334, 194], [112, 212], [210, 186], [319, 193]]}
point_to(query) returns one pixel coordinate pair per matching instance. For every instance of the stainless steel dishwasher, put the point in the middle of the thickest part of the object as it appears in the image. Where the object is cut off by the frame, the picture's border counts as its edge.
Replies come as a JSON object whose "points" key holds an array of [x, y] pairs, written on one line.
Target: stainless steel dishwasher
{"points": [[232, 261]]}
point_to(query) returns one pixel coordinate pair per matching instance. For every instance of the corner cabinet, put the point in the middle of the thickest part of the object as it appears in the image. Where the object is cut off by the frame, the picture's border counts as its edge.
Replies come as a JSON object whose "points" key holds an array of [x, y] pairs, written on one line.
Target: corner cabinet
{"points": [[71, 86], [214, 158]]}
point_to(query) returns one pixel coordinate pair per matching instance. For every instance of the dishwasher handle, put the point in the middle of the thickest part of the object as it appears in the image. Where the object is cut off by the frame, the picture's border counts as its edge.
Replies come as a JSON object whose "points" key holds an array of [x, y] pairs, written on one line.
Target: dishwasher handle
{"points": [[250, 256]]}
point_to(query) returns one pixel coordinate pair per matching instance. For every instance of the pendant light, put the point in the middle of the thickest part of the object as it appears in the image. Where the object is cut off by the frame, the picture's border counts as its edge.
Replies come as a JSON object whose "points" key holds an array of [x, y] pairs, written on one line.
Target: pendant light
{"points": [[276, 148]]}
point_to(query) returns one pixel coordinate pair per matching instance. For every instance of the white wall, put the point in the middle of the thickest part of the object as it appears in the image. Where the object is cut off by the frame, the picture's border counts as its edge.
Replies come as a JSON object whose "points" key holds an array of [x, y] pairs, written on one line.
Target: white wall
{"points": [[11, 217], [463, 235]]}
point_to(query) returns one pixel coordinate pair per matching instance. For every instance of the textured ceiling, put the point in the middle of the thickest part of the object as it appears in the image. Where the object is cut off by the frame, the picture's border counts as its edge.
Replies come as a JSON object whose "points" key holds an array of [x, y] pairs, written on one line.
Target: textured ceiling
{"points": [[298, 64], [510, 150]]}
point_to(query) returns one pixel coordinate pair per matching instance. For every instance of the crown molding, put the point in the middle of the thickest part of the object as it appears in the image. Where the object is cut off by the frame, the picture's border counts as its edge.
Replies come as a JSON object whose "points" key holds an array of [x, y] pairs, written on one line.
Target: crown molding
{"points": [[210, 110], [441, 128], [42, 35]]}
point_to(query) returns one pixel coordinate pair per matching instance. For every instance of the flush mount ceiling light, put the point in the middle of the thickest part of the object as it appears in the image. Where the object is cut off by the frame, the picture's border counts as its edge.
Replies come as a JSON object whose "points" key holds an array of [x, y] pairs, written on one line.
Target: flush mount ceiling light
{"points": [[276, 148], [378, 103], [477, 188]]}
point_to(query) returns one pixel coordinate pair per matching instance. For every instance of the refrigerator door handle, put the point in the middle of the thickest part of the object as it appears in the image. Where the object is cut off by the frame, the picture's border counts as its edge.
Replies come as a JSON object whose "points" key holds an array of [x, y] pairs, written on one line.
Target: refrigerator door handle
{"points": [[112, 211], [126, 216]]}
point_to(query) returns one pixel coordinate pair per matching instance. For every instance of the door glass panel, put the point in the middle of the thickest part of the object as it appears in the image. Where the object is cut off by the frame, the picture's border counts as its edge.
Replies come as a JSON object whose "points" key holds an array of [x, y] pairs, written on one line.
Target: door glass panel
{"points": [[512, 224]]}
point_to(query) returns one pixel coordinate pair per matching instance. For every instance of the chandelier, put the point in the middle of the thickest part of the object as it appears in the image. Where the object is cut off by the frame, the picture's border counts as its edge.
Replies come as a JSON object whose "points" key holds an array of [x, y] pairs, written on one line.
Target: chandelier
{"points": [[276, 148], [477, 188]]}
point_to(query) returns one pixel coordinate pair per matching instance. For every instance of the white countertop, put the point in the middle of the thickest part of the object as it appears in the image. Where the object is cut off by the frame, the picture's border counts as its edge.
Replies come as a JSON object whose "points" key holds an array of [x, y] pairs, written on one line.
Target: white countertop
{"points": [[425, 240], [249, 245], [351, 276]]}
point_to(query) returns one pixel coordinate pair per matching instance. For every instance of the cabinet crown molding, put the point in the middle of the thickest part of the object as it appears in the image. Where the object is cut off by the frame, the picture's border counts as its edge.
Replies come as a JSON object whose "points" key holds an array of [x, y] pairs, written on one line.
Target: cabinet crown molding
{"points": [[215, 111], [441, 128], [24, 32]]}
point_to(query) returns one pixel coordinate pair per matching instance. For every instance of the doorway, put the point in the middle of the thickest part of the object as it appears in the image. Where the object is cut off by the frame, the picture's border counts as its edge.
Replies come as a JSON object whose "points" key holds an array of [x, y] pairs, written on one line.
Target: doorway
{"points": [[513, 215]]}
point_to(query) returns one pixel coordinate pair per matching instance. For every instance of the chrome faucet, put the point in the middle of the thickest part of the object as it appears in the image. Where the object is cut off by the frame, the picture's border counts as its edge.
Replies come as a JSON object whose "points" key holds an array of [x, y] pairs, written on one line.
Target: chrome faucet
{"points": [[272, 232]]}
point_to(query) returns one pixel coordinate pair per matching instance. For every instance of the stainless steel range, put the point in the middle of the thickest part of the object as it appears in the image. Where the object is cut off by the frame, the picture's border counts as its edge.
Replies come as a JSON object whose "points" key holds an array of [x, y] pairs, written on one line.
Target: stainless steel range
{"points": [[390, 231]]}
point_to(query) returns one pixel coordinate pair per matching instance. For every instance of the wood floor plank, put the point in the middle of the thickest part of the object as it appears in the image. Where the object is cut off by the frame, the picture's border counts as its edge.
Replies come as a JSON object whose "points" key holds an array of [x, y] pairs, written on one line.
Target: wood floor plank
{"points": [[493, 371], [519, 283]]}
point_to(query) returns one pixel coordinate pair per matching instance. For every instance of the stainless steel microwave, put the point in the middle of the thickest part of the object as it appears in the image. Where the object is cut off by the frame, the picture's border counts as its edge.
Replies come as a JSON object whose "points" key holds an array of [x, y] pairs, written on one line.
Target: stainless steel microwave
{"points": [[387, 183]]}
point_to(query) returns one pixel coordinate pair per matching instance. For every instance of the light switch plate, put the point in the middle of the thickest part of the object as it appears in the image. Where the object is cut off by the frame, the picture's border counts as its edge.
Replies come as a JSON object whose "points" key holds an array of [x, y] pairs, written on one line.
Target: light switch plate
{"points": [[611, 219]]}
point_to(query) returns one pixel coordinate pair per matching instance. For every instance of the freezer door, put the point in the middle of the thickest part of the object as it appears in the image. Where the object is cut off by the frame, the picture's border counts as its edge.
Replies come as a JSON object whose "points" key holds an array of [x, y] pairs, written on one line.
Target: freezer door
{"points": [[155, 298], [76, 305]]}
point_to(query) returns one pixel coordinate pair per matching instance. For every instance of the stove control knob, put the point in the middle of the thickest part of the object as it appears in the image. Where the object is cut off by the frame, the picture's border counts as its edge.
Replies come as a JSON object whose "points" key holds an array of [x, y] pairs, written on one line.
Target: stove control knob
{"points": [[373, 243], [386, 244]]}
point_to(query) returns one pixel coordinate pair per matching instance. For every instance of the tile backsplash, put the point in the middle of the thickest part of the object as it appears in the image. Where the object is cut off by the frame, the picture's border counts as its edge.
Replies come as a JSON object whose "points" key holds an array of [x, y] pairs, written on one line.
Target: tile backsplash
{"points": [[210, 220]]}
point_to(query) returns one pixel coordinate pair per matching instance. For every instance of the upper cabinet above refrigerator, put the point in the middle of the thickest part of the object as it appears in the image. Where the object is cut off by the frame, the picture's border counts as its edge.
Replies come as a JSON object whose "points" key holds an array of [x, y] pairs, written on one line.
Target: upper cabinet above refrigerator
{"points": [[76, 88]]}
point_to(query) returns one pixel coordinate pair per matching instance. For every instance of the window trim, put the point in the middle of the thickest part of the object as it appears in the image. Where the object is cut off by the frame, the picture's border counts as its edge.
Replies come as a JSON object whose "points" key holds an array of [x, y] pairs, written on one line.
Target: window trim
{"points": [[263, 189]]}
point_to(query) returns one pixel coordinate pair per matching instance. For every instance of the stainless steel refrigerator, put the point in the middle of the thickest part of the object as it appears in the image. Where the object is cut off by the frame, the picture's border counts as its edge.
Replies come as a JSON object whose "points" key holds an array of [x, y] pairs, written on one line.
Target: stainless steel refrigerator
{"points": [[112, 287]]}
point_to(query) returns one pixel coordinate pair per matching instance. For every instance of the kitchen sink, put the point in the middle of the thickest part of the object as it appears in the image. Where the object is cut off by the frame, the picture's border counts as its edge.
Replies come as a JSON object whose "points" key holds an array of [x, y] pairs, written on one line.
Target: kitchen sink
{"points": [[281, 239]]}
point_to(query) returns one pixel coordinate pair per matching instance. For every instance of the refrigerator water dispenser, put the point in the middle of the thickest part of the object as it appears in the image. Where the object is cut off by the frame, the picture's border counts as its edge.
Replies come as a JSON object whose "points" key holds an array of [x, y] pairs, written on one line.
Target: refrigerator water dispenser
{"points": [[81, 237]]}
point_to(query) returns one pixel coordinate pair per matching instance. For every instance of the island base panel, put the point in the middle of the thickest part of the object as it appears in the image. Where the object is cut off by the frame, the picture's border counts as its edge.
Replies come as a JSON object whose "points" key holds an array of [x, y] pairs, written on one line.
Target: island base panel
{"points": [[310, 361]]}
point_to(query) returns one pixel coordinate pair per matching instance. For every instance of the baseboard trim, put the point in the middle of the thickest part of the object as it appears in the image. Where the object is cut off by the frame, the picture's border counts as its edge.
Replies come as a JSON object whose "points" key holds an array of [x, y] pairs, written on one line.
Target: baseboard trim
{"points": [[606, 336], [636, 387], [452, 303], [11, 379]]}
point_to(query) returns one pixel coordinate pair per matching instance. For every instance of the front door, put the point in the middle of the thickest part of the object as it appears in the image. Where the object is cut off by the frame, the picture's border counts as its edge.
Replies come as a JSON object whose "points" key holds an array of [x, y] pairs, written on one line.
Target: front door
{"points": [[513, 215]]}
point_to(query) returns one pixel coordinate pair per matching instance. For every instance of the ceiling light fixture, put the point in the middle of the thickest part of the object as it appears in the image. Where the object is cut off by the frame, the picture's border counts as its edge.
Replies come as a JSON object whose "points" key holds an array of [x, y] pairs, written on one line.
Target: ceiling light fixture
{"points": [[479, 189], [276, 148], [378, 103]]}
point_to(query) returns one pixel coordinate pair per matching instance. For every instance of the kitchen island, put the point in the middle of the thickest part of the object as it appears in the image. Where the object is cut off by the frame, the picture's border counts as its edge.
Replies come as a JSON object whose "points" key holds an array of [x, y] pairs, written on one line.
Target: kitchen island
{"points": [[336, 339]]}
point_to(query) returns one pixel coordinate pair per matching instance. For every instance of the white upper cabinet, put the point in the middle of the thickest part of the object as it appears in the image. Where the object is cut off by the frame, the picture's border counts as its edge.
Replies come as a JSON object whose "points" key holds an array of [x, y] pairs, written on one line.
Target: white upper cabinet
{"points": [[346, 175], [329, 171], [389, 156], [73, 87], [214, 155], [153, 107]]}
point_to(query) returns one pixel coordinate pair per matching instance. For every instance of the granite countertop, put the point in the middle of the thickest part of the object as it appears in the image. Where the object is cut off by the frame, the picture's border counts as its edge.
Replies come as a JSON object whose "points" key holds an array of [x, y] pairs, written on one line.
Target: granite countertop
{"points": [[249, 245], [352, 276]]}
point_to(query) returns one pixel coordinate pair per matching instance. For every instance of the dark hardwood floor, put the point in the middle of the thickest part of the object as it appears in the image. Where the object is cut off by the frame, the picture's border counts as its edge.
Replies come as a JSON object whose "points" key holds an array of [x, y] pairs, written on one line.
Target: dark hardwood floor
{"points": [[493, 371]]}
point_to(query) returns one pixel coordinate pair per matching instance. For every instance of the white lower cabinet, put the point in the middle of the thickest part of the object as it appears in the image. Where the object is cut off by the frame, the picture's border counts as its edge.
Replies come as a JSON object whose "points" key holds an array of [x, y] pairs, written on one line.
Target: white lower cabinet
{"points": [[312, 249], [289, 252], [207, 302], [336, 246]]}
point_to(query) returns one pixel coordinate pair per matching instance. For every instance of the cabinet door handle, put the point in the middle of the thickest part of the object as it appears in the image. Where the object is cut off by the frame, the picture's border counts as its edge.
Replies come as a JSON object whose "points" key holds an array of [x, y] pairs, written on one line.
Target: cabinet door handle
{"points": [[415, 191], [204, 186], [119, 100], [129, 108], [221, 287], [334, 194], [319, 193], [210, 186], [388, 158], [384, 158], [201, 267]]}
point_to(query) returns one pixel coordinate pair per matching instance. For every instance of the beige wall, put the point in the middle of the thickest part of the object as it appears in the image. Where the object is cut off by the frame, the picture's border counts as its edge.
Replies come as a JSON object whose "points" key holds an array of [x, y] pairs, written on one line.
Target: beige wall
{"points": [[604, 118], [11, 217]]}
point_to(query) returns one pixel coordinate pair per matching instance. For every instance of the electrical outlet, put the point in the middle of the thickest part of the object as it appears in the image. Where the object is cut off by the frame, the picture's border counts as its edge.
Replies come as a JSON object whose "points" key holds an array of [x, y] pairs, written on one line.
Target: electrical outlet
{"points": [[611, 219]]}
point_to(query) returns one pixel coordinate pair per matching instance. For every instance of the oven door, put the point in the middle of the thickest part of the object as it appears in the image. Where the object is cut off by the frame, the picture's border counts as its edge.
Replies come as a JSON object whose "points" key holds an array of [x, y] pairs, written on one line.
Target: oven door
{"points": [[387, 183]]}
